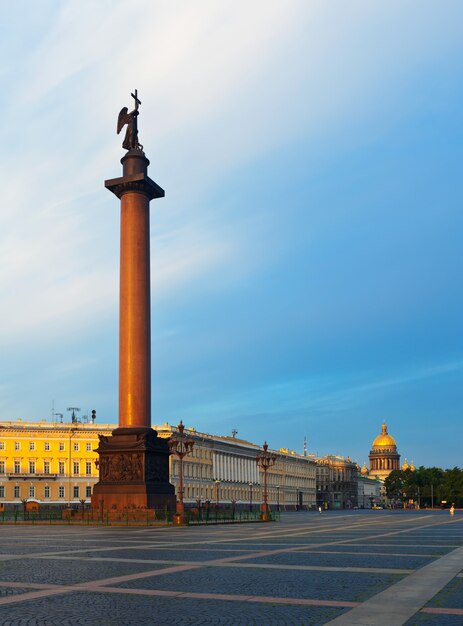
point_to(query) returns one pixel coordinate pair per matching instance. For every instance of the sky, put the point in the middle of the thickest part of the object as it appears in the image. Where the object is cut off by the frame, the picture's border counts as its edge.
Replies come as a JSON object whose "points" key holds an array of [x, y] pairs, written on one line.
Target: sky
{"points": [[306, 259]]}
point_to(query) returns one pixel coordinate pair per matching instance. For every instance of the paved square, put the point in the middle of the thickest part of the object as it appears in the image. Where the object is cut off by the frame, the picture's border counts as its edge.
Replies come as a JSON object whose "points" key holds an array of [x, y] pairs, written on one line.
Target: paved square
{"points": [[368, 568]]}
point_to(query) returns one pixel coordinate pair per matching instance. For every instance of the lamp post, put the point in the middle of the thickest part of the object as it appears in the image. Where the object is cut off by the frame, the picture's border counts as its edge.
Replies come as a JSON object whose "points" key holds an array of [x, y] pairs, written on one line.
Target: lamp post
{"points": [[180, 444], [24, 502], [265, 459], [250, 497], [278, 498], [217, 483]]}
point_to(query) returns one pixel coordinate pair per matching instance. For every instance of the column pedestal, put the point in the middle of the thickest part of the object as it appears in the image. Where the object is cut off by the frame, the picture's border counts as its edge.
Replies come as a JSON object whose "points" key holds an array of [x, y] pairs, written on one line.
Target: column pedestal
{"points": [[134, 471]]}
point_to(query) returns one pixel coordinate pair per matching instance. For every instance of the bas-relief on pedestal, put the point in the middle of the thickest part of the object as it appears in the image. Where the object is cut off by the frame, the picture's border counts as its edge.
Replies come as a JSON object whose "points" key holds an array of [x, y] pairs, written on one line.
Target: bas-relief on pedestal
{"points": [[134, 461], [134, 471]]}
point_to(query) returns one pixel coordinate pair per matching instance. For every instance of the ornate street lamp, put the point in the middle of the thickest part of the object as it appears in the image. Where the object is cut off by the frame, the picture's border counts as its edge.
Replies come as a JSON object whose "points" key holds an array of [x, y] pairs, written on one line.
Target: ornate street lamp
{"points": [[217, 484], [250, 497], [278, 497], [181, 445], [265, 459]]}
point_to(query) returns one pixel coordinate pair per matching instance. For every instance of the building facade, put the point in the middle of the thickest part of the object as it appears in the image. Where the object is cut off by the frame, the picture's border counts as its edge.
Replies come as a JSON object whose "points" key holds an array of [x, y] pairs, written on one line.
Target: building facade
{"points": [[369, 491], [336, 482], [55, 465], [51, 464], [223, 470]]}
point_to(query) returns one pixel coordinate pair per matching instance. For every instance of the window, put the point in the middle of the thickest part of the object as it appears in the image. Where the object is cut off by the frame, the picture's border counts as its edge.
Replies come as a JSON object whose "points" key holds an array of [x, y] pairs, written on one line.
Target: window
{"points": [[46, 493], [88, 468], [17, 445], [61, 446], [88, 447], [76, 492], [76, 447], [31, 445], [61, 468], [17, 467], [61, 491], [2, 467], [2, 445], [88, 492], [31, 467], [46, 446], [16, 491], [31, 491], [76, 468], [2, 491], [46, 467]]}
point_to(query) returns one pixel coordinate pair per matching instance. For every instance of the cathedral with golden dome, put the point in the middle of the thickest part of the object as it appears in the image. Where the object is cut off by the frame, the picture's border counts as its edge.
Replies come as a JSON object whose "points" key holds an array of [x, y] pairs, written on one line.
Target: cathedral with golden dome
{"points": [[383, 455]]}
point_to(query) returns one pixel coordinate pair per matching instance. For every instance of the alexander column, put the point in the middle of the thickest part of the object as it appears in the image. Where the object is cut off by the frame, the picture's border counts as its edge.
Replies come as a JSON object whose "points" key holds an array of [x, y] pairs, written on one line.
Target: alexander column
{"points": [[133, 461]]}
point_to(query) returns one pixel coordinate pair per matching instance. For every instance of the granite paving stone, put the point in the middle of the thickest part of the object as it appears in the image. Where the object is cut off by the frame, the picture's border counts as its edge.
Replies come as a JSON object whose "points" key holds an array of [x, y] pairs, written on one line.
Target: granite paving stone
{"points": [[243, 595], [341, 560], [385, 549], [165, 554], [425, 619], [261, 582], [66, 572], [451, 596], [93, 609]]}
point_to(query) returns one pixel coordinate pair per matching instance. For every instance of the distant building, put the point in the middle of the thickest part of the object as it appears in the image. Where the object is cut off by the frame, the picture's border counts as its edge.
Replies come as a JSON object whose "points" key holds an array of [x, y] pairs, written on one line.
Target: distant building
{"points": [[53, 464], [224, 468], [369, 490], [337, 486], [383, 456]]}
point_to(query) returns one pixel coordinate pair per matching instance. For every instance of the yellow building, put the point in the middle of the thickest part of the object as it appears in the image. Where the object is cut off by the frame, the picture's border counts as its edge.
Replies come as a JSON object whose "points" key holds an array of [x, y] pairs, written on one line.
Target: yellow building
{"points": [[54, 464]]}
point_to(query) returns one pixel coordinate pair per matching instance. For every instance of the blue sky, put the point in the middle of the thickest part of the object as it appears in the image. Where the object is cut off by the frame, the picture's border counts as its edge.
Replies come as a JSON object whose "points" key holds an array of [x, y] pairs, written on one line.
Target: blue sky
{"points": [[306, 260]]}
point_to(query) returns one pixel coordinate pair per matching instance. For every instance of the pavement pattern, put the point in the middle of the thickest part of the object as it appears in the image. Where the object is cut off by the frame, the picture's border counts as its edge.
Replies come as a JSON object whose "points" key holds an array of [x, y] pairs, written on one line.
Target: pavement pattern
{"points": [[346, 568]]}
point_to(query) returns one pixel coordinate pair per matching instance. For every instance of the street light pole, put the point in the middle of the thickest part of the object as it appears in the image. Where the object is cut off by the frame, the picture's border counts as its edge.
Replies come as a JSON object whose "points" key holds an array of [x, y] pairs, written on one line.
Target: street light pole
{"points": [[278, 498], [265, 459], [250, 497], [217, 483], [180, 444]]}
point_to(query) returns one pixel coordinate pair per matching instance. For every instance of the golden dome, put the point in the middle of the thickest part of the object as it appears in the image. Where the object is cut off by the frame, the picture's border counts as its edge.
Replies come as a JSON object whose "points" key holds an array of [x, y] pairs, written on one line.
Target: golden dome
{"points": [[412, 467], [405, 466], [384, 440]]}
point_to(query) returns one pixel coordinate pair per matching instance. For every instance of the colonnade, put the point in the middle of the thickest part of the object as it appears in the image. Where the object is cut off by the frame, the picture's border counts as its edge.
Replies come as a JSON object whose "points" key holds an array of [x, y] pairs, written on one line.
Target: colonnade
{"points": [[384, 464], [234, 468]]}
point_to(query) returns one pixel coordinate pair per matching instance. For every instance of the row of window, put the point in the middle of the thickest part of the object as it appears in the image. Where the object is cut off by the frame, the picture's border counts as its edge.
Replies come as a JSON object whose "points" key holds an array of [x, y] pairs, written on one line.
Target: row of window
{"points": [[32, 465], [47, 446], [46, 492]]}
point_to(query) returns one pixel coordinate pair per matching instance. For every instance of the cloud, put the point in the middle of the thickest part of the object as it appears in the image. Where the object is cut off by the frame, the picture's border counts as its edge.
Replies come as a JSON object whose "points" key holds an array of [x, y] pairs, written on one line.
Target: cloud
{"points": [[249, 109]]}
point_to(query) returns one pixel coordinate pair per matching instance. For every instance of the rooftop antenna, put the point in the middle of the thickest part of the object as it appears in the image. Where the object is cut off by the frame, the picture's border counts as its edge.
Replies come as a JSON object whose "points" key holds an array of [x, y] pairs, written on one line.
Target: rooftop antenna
{"points": [[234, 433], [73, 416], [305, 446], [60, 415]]}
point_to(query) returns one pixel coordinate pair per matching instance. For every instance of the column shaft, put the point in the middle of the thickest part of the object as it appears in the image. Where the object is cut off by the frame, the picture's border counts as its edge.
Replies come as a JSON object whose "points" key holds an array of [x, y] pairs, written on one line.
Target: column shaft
{"points": [[134, 323]]}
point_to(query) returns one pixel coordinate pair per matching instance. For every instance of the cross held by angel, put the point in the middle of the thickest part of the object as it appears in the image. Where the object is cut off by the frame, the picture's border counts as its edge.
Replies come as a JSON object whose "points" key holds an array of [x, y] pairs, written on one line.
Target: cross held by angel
{"points": [[131, 134]]}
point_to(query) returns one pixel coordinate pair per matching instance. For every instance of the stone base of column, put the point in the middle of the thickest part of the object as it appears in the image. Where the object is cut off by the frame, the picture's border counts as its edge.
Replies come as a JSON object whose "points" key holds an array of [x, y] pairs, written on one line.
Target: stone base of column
{"points": [[134, 471]]}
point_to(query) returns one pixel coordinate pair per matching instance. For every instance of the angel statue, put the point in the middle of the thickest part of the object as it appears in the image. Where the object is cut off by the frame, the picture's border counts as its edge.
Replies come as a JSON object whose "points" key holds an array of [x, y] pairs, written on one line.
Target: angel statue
{"points": [[131, 134]]}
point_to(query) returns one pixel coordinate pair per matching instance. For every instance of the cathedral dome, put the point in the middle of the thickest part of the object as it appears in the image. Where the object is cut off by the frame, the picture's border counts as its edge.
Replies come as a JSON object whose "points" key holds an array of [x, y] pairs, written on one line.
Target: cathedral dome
{"points": [[384, 440], [383, 456], [405, 466]]}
